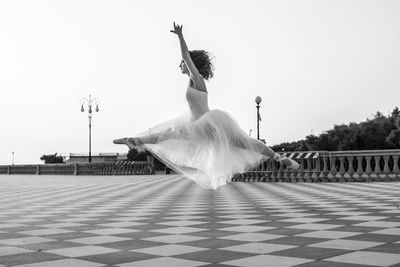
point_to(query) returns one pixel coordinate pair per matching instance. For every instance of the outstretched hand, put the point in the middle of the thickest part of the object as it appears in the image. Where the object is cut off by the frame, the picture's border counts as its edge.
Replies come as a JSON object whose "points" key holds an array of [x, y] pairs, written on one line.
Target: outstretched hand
{"points": [[177, 29]]}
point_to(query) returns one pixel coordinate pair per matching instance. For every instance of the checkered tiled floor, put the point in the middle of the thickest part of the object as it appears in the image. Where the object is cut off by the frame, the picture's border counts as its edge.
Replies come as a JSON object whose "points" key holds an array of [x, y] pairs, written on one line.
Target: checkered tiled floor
{"points": [[170, 221]]}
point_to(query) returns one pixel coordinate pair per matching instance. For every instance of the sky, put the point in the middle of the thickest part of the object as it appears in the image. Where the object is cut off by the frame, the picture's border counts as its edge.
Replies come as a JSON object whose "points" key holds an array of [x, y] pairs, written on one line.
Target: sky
{"points": [[314, 64]]}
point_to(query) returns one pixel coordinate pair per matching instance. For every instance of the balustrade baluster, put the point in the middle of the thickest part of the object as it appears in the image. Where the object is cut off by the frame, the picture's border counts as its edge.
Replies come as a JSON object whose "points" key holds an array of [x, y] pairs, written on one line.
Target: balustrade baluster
{"points": [[342, 170], [286, 175], [368, 168], [300, 173], [273, 171], [350, 170], [124, 168], [396, 170], [307, 172], [292, 175], [104, 169], [325, 171], [359, 168], [142, 168], [248, 176], [386, 169], [119, 168], [333, 168], [317, 170], [278, 176], [255, 178], [114, 169], [377, 169], [129, 168]]}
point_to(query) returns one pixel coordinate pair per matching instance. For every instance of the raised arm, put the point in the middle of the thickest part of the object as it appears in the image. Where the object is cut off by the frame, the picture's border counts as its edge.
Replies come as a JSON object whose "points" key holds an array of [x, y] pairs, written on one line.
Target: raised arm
{"points": [[195, 75]]}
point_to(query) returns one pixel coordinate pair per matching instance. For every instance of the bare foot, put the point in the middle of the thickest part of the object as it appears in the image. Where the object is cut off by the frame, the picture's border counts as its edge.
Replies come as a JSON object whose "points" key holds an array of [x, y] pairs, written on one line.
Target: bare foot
{"points": [[130, 142], [290, 164]]}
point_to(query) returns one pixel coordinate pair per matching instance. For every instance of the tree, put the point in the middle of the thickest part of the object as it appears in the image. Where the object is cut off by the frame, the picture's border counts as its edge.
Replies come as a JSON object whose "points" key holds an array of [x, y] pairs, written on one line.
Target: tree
{"points": [[380, 132], [394, 136], [52, 158], [292, 146]]}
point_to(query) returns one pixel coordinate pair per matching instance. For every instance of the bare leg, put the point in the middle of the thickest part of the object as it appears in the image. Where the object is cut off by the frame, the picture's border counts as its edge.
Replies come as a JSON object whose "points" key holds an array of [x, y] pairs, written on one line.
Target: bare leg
{"points": [[146, 139], [137, 141], [263, 149], [130, 142]]}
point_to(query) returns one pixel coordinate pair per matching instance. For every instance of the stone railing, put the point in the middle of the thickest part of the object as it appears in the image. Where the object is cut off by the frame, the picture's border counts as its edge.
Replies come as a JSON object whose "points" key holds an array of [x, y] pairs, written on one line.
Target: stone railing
{"points": [[324, 166], [118, 168], [123, 168]]}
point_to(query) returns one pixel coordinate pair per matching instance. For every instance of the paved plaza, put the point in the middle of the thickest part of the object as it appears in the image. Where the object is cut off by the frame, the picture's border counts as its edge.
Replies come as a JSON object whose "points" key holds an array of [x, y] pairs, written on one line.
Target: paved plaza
{"points": [[170, 221]]}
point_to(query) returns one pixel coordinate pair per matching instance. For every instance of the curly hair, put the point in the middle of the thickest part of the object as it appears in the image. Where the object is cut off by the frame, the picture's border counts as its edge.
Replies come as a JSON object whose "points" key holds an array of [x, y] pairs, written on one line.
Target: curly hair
{"points": [[202, 60]]}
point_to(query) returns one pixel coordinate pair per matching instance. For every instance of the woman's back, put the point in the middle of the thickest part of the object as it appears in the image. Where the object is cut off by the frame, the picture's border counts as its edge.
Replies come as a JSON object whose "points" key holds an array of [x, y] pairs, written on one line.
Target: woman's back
{"points": [[198, 102]]}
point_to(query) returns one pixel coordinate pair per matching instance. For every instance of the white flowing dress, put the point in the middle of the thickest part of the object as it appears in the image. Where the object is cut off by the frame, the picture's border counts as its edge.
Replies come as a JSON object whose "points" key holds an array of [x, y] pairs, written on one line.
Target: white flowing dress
{"points": [[207, 146]]}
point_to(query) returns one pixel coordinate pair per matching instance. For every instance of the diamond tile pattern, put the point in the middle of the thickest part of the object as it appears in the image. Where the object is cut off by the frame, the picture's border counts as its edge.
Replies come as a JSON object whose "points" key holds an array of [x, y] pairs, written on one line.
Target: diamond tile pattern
{"points": [[167, 220]]}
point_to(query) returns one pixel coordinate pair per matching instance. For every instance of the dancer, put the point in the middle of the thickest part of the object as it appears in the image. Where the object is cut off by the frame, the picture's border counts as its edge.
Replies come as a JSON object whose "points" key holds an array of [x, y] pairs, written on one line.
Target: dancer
{"points": [[207, 146]]}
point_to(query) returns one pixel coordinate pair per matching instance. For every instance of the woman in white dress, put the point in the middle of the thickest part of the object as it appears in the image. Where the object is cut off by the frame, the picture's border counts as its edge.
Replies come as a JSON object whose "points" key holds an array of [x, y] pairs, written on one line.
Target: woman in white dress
{"points": [[207, 146]]}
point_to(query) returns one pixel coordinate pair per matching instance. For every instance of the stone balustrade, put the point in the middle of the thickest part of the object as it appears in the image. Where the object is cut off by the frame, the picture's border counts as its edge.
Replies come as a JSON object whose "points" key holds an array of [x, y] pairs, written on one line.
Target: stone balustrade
{"points": [[123, 168], [117, 168], [325, 166], [316, 166]]}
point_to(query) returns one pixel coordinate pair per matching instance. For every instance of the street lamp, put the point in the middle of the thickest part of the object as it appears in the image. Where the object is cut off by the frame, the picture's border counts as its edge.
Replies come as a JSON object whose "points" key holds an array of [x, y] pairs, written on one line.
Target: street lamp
{"points": [[258, 101], [89, 103]]}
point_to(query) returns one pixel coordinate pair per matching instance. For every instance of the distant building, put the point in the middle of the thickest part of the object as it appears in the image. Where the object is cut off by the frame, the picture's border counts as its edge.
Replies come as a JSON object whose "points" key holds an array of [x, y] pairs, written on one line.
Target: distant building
{"points": [[96, 157]]}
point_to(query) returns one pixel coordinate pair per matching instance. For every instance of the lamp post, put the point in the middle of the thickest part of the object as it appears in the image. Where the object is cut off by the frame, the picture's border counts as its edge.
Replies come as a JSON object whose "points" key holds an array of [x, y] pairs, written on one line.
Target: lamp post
{"points": [[258, 101], [89, 103]]}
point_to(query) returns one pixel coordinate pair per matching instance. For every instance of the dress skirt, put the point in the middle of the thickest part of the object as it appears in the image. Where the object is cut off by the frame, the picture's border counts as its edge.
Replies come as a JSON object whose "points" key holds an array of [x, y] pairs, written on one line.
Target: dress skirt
{"points": [[210, 150]]}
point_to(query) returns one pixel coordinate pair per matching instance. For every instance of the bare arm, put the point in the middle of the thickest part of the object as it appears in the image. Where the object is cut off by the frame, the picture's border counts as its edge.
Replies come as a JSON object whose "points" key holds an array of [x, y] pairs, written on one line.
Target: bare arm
{"points": [[195, 75]]}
